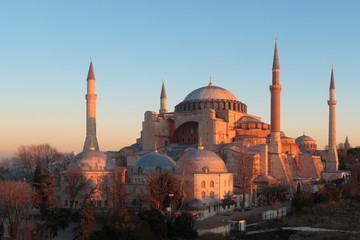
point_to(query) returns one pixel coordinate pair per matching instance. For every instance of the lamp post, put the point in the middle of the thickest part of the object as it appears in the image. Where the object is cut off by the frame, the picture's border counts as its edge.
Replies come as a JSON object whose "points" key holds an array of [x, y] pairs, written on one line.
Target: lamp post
{"points": [[170, 195]]}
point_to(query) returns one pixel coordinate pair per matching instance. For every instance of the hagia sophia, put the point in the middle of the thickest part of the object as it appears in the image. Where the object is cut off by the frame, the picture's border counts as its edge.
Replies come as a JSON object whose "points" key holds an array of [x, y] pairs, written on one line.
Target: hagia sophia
{"points": [[203, 141]]}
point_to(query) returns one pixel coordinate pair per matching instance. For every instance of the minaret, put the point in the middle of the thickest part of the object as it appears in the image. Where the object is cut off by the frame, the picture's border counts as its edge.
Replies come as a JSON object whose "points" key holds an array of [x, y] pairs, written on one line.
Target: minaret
{"points": [[91, 140], [332, 162], [163, 100], [275, 89], [347, 145]]}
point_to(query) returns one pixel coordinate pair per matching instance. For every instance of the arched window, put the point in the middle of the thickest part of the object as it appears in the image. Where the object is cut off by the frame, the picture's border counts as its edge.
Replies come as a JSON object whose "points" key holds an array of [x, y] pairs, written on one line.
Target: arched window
{"points": [[158, 170], [211, 184], [211, 105], [205, 104], [194, 106], [223, 105], [140, 170], [205, 169], [229, 105], [199, 105], [211, 194], [203, 195], [234, 106], [203, 185], [218, 105]]}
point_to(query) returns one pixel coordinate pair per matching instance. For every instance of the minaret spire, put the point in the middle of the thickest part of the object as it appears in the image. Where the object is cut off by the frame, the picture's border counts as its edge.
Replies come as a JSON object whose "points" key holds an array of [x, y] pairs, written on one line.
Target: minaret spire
{"points": [[210, 83], [91, 140], [163, 99], [332, 162], [275, 89]]}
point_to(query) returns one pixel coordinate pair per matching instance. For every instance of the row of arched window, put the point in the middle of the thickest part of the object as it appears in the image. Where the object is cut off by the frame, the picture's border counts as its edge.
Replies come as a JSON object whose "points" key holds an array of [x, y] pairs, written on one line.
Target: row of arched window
{"points": [[307, 145], [203, 184], [203, 195], [220, 104]]}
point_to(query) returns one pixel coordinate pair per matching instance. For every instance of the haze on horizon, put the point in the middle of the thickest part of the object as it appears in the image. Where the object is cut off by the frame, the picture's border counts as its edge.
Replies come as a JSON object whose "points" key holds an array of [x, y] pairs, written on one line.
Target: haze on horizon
{"points": [[46, 49]]}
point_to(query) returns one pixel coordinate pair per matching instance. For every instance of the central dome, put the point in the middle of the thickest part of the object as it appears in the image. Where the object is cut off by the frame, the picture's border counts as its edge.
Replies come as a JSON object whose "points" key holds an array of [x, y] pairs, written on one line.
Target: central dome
{"points": [[210, 93]]}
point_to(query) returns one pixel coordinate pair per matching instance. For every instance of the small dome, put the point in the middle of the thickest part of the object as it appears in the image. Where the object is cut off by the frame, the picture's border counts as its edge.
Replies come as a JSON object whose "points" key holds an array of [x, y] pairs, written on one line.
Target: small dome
{"points": [[304, 138], [210, 93], [201, 161], [92, 161], [154, 160], [195, 204]]}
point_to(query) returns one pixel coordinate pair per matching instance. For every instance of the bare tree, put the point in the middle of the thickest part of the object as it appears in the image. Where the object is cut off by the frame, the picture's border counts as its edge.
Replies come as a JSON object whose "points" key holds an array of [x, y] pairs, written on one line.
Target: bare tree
{"points": [[15, 204], [159, 187], [114, 189], [77, 186], [244, 168]]}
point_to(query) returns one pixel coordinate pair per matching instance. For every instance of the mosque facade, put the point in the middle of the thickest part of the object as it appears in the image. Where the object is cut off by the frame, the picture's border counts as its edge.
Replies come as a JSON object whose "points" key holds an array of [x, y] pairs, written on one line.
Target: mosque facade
{"points": [[210, 143]]}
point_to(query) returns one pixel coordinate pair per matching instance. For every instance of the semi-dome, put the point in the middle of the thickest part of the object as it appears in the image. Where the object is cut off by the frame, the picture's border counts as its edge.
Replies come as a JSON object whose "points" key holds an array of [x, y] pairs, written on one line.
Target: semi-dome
{"points": [[201, 161], [154, 162], [92, 161], [210, 93]]}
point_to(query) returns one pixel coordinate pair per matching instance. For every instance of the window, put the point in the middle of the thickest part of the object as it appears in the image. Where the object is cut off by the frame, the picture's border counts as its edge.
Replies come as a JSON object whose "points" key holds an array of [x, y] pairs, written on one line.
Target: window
{"points": [[183, 139], [183, 132], [189, 140], [199, 105], [106, 203], [205, 169], [205, 104], [99, 203], [203, 185], [234, 106], [212, 105], [194, 106], [211, 184], [202, 195], [140, 170], [211, 194], [218, 105], [230, 105], [223, 105], [158, 170]]}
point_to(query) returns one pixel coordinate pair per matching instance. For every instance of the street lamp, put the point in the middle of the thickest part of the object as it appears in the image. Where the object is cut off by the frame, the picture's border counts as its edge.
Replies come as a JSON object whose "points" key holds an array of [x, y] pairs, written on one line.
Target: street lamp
{"points": [[170, 195]]}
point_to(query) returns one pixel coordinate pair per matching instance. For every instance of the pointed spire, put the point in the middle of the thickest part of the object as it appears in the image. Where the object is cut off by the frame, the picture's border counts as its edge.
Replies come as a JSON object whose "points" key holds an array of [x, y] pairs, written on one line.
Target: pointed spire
{"points": [[276, 57], [200, 144], [92, 148], [91, 74], [347, 141], [332, 82], [210, 84], [156, 147], [163, 93]]}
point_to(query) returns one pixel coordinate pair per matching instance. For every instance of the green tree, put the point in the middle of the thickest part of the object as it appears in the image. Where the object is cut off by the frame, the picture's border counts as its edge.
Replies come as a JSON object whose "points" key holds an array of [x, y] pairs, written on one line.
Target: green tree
{"points": [[87, 222], [156, 222], [184, 226], [124, 225], [228, 200], [55, 218]]}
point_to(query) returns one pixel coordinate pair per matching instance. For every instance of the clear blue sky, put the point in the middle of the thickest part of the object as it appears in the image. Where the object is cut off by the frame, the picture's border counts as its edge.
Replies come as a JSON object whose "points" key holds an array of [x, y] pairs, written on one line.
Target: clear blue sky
{"points": [[45, 48]]}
